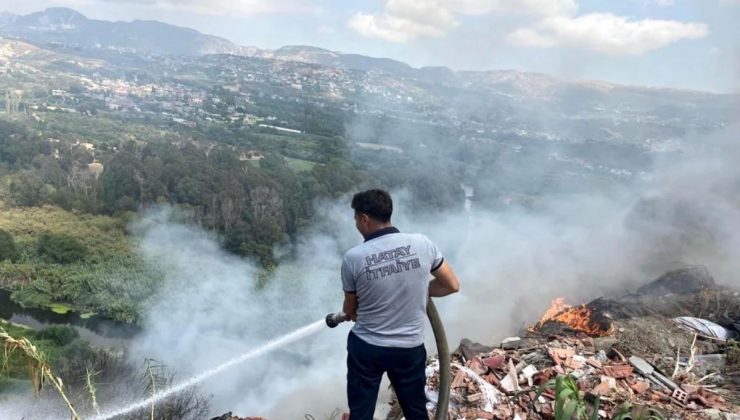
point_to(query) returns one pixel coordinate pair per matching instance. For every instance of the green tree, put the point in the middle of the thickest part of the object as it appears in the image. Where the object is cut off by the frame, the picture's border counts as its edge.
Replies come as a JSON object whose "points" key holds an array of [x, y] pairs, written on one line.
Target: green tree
{"points": [[27, 189], [8, 249], [191, 191], [18, 147], [77, 88], [49, 170], [333, 148], [336, 176], [120, 183], [60, 248], [61, 335], [152, 188]]}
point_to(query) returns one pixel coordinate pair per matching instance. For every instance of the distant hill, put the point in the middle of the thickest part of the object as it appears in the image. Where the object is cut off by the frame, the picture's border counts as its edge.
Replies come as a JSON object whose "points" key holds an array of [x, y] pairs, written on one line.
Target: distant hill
{"points": [[308, 54], [66, 26], [58, 25]]}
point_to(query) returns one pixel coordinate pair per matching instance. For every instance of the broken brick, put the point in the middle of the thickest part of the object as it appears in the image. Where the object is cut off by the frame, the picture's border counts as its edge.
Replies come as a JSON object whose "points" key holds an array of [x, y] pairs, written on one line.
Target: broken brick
{"points": [[542, 376], [564, 353], [618, 371], [459, 380], [594, 362], [575, 362], [477, 366], [474, 397], [640, 387], [495, 362], [492, 379], [690, 389]]}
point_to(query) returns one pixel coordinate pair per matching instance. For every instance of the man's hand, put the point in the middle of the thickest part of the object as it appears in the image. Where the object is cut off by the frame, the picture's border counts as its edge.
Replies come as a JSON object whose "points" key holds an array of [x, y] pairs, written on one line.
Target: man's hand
{"points": [[445, 281], [350, 305]]}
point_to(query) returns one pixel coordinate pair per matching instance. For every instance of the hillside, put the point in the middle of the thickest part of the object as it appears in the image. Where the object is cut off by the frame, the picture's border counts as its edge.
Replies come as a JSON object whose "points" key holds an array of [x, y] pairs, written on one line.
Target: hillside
{"points": [[58, 25], [162, 190]]}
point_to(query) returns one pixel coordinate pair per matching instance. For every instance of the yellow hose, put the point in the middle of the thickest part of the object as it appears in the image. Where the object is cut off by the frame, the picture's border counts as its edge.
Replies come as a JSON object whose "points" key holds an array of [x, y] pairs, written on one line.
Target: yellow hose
{"points": [[443, 353]]}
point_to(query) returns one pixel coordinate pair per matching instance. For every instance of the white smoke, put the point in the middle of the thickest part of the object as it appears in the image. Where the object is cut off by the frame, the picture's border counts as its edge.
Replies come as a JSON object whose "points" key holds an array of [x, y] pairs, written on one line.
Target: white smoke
{"points": [[212, 308], [511, 263]]}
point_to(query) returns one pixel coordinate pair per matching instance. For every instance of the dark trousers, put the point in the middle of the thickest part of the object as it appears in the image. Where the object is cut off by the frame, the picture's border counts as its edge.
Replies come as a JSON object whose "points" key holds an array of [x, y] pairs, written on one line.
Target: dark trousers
{"points": [[366, 364]]}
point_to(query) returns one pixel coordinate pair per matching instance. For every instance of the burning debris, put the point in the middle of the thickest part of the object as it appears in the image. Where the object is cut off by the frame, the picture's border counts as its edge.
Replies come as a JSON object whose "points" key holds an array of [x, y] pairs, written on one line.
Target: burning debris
{"points": [[229, 416], [665, 352], [580, 318], [631, 356]]}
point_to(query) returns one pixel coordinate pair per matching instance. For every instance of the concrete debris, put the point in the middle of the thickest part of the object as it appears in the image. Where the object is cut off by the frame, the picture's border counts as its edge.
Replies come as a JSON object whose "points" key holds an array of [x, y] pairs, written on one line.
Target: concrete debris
{"points": [[229, 416], [626, 351], [675, 381], [517, 392]]}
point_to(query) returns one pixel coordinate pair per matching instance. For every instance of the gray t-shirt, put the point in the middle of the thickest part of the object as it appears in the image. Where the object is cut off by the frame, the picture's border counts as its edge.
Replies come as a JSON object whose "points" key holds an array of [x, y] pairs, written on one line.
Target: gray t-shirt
{"points": [[390, 275]]}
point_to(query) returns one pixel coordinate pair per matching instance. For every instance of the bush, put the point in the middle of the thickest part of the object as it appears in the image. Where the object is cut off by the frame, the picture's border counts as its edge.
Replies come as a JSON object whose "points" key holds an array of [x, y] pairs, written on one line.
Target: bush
{"points": [[60, 335], [8, 249], [78, 349], [27, 189], [35, 295], [60, 248]]}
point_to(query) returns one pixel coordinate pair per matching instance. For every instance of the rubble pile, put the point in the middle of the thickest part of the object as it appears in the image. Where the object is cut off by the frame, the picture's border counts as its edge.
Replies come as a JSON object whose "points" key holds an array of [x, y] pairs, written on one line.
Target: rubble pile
{"points": [[230, 416], [630, 356], [671, 350]]}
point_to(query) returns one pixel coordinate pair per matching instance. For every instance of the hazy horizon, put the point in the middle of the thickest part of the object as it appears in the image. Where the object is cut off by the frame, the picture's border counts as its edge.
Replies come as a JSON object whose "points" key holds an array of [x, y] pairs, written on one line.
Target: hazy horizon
{"points": [[658, 43]]}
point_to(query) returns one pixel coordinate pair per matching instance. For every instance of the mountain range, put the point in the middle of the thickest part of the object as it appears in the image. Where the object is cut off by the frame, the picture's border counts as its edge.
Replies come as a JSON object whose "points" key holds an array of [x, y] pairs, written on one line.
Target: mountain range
{"points": [[68, 28], [60, 25]]}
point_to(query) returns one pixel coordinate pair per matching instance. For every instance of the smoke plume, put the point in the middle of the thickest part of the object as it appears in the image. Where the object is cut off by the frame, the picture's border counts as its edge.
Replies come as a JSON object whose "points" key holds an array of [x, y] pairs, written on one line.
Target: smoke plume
{"points": [[511, 263]]}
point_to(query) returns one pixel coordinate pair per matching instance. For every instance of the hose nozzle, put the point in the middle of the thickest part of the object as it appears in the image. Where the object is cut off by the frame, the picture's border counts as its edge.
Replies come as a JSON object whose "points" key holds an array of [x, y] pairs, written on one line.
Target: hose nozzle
{"points": [[332, 320]]}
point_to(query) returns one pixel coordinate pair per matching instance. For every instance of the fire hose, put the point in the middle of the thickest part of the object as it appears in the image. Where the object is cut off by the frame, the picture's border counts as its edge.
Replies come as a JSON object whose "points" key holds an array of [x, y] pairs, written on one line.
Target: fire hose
{"points": [[443, 353]]}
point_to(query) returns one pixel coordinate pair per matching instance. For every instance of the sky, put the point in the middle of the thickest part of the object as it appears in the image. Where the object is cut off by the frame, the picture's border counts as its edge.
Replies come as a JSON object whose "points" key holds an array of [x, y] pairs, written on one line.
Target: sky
{"points": [[692, 44]]}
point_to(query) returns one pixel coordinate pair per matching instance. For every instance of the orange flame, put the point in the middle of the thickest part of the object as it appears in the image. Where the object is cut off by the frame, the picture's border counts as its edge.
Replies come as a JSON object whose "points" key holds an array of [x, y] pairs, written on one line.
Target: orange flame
{"points": [[558, 305], [576, 317]]}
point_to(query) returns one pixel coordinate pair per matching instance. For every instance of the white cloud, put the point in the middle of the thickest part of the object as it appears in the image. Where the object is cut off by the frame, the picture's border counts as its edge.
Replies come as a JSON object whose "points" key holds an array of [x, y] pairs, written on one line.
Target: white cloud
{"points": [[664, 3], [405, 20], [528, 37], [530, 7], [607, 33], [229, 7], [392, 28], [556, 23]]}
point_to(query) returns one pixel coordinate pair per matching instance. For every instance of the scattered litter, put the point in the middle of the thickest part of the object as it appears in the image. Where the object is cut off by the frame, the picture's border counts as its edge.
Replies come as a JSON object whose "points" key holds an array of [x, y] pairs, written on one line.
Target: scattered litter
{"points": [[705, 328], [490, 393], [682, 378], [628, 350], [528, 373]]}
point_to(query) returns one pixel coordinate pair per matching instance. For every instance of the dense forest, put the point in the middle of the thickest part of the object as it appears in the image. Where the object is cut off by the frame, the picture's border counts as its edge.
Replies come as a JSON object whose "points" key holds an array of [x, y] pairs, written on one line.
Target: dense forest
{"points": [[252, 204]]}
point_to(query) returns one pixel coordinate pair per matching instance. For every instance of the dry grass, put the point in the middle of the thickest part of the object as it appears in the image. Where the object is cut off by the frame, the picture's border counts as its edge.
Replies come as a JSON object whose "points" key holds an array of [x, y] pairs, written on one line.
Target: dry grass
{"points": [[90, 386], [39, 369]]}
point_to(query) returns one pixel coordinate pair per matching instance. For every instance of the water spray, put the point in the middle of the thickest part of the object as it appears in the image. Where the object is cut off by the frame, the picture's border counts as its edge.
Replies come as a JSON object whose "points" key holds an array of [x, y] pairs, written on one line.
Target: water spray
{"points": [[266, 348], [331, 320], [443, 353]]}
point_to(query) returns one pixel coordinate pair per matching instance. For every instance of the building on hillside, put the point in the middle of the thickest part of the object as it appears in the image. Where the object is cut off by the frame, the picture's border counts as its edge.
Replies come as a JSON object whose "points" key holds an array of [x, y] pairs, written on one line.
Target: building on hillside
{"points": [[96, 168], [251, 155]]}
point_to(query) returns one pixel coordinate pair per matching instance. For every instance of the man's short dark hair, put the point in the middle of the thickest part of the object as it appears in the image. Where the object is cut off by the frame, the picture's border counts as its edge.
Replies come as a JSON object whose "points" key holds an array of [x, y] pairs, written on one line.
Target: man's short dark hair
{"points": [[377, 204]]}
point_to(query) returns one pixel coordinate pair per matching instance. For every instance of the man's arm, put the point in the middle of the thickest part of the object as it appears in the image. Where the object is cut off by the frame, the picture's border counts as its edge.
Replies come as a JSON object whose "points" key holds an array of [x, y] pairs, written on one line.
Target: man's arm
{"points": [[445, 281], [350, 305]]}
